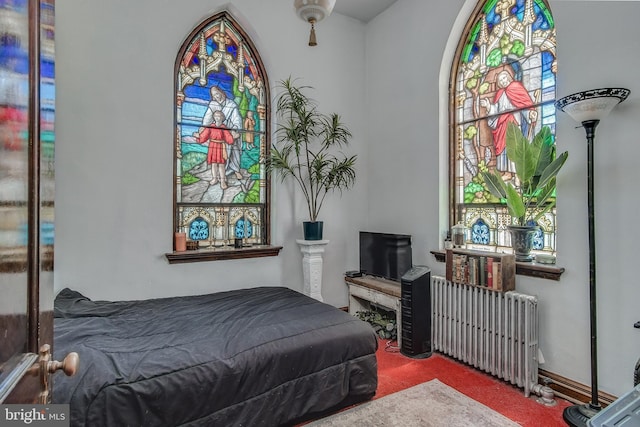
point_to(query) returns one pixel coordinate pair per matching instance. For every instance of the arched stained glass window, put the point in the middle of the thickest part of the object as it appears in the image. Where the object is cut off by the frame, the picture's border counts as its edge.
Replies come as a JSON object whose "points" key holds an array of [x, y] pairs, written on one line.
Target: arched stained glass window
{"points": [[505, 72], [222, 137]]}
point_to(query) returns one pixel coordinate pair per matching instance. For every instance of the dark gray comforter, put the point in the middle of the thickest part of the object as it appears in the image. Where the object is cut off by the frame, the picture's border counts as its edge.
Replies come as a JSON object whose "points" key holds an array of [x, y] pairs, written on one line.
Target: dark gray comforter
{"points": [[264, 356]]}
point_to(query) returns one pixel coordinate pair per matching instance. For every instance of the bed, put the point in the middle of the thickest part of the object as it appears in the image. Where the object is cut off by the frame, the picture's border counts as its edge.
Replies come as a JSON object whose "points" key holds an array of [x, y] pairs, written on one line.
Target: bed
{"points": [[264, 356]]}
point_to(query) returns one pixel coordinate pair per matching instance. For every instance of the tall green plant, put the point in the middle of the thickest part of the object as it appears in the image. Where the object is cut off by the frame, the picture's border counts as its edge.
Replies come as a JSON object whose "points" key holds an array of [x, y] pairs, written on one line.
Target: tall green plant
{"points": [[536, 169], [306, 144]]}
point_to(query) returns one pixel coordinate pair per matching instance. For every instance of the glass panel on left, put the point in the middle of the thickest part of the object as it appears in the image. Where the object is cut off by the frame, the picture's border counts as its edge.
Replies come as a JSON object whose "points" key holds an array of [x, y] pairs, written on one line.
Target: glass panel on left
{"points": [[14, 180], [26, 199]]}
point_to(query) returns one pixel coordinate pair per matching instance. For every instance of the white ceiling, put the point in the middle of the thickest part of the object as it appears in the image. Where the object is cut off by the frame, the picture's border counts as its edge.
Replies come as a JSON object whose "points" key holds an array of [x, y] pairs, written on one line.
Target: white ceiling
{"points": [[363, 10]]}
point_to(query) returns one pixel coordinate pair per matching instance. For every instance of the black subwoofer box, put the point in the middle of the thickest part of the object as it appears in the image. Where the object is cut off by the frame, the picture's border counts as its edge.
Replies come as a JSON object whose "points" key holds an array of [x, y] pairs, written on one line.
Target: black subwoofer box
{"points": [[416, 312]]}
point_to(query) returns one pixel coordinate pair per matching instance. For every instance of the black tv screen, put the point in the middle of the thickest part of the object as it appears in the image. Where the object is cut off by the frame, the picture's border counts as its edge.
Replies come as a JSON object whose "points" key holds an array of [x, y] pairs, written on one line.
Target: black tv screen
{"points": [[384, 254]]}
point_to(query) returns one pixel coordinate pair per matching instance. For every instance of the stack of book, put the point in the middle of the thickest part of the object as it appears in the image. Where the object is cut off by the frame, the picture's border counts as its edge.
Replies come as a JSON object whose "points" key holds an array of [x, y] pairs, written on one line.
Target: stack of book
{"points": [[489, 270], [477, 270]]}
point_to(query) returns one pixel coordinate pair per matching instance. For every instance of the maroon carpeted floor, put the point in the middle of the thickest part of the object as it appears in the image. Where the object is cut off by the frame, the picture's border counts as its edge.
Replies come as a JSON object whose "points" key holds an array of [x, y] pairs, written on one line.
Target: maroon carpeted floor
{"points": [[397, 372]]}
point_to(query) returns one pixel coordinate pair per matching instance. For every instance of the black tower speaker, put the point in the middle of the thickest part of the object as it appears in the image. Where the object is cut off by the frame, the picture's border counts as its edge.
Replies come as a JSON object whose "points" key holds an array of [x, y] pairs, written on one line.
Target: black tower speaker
{"points": [[416, 312]]}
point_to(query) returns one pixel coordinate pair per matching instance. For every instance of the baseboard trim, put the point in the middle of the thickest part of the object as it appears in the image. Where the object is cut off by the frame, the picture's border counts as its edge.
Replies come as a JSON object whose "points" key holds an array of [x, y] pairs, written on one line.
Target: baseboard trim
{"points": [[571, 390]]}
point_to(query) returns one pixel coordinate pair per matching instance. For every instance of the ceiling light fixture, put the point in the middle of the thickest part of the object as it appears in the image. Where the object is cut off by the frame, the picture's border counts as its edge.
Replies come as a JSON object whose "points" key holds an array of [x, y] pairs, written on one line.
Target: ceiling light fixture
{"points": [[313, 11]]}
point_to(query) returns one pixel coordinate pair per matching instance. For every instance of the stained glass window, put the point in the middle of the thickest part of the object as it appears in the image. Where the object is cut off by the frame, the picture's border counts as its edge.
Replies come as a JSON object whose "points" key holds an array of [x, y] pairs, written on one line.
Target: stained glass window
{"points": [[505, 72], [222, 137]]}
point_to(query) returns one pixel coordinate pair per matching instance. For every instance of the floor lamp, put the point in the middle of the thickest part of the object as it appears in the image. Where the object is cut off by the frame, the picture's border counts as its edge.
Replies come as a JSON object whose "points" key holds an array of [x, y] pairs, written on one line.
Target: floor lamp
{"points": [[588, 108]]}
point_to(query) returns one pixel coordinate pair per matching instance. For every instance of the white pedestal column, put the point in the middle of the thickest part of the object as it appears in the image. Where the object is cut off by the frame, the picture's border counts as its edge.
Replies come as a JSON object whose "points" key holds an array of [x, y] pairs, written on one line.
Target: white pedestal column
{"points": [[312, 251]]}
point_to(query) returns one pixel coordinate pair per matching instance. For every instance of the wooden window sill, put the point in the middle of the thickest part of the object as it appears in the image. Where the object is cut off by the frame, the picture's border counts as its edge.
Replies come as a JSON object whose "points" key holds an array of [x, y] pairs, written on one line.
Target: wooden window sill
{"points": [[219, 254], [533, 269]]}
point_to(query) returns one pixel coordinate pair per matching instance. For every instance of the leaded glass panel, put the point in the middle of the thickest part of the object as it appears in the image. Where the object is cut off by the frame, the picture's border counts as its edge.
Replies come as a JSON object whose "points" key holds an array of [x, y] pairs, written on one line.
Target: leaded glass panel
{"points": [[506, 74], [487, 227], [219, 226], [222, 137]]}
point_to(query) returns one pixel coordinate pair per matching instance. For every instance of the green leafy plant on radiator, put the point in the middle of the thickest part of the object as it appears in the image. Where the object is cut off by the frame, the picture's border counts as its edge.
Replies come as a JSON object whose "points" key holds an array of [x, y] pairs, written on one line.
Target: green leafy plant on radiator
{"points": [[384, 324]]}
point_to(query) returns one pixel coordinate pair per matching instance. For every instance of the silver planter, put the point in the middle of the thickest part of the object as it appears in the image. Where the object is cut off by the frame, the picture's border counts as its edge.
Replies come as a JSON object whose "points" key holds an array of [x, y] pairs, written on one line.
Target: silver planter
{"points": [[522, 241]]}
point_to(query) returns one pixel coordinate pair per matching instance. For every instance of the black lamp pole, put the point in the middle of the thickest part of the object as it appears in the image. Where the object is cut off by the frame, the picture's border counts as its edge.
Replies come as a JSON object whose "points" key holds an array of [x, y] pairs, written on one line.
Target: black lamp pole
{"points": [[590, 127], [578, 415]]}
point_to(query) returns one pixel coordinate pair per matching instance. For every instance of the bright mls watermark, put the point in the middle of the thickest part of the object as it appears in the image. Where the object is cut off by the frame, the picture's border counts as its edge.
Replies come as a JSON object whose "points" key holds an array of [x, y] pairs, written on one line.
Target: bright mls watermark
{"points": [[34, 415]]}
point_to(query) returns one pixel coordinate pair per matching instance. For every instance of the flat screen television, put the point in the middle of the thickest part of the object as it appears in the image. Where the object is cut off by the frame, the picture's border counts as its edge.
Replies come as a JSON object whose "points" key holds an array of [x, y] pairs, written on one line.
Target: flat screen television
{"points": [[385, 255]]}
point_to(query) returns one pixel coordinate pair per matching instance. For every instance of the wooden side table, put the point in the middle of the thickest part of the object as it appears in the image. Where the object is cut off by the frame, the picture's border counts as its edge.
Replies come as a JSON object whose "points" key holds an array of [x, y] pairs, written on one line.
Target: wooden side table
{"points": [[367, 290]]}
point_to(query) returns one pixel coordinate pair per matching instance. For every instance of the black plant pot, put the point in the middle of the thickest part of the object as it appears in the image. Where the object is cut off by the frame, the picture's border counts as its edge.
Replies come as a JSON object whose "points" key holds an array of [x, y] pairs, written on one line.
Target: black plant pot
{"points": [[312, 230]]}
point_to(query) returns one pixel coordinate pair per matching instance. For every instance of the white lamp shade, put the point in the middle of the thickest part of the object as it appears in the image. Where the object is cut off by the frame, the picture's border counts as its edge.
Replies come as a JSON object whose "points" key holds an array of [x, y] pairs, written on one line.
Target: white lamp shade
{"points": [[313, 10], [592, 104]]}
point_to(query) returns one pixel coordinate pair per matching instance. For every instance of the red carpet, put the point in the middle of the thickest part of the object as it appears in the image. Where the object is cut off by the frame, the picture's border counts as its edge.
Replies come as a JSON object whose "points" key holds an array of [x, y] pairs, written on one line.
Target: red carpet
{"points": [[397, 372]]}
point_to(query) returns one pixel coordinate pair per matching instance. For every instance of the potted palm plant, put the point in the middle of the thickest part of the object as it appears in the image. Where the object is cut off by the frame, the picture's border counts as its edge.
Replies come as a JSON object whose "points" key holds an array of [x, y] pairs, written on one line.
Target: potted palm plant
{"points": [[533, 193], [305, 151]]}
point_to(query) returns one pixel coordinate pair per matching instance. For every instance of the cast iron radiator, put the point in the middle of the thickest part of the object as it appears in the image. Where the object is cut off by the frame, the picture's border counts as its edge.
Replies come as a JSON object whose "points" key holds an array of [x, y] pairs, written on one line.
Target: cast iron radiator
{"points": [[496, 332]]}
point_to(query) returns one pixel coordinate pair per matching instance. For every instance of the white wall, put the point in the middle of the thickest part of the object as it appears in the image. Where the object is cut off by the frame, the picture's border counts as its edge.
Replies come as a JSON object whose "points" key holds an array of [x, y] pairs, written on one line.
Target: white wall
{"points": [[601, 51], [404, 54], [114, 173], [114, 156], [409, 148]]}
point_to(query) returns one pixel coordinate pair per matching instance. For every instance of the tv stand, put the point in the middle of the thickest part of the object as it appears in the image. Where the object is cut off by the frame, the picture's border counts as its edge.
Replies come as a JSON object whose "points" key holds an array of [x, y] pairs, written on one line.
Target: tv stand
{"points": [[367, 290]]}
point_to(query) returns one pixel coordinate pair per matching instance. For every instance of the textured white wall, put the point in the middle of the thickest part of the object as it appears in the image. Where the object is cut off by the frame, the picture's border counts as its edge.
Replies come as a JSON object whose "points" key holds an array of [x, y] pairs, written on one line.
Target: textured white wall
{"points": [[114, 156], [597, 45]]}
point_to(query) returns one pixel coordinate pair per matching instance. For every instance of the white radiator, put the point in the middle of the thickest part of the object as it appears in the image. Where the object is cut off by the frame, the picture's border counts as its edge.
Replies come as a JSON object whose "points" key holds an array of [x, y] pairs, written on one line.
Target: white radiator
{"points": [[496, 332]]}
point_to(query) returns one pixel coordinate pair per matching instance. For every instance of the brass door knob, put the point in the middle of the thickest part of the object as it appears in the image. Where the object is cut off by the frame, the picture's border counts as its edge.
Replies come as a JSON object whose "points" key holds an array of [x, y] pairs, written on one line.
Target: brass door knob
{"points": [[46, 366], [69, 364]]}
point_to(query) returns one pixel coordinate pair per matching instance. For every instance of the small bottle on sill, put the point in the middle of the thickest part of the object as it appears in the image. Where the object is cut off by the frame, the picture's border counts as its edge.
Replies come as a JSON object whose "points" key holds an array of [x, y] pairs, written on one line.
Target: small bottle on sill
{"points": [[448, 244]]}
